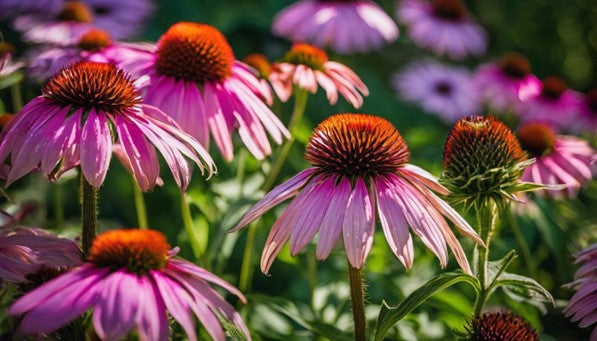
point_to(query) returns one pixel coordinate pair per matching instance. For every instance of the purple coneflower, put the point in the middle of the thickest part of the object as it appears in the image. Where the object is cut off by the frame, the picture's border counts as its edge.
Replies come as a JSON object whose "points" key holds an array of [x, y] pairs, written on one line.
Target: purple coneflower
{"points": [[445, 91], [131, 282], [554, 104], [308, 67], [82, 109], [506, 83], [587, 115], [25, 251], [360, 167], [559, 160], [263, 69], [345, 26], [583, 304], [10, 8], [443, 27], [194, 78], [500, 326]]}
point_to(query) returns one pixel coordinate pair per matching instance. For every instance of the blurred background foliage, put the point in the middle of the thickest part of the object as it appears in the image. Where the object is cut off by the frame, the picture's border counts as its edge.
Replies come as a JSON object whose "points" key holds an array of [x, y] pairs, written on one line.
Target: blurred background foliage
{"points": [[558, 37]]}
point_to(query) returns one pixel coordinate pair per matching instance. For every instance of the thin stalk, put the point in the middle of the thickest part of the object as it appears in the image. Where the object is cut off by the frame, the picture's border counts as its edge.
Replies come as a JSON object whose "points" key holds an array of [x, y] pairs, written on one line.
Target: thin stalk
{"points": [[487, 216], [139, 206], [17, 97], [311, 272], [300, 103], [522, 244], [241, 170], [246, 270], [357, 297], [58, 205], [187, 221], [88, 214]]}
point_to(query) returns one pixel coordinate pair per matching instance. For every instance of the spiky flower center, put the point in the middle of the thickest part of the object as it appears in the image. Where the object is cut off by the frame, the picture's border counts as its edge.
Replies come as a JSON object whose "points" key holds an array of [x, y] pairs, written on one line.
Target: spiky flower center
{"points": [[592, 101], [515, 65], [553, 87], [452, 10], [537, 139], [6, 49], [75, 11], [260, 63], [500, 327], [94, 39], [356, 145], [92, 85], [194, 52], [136, 250], [308, 55]]}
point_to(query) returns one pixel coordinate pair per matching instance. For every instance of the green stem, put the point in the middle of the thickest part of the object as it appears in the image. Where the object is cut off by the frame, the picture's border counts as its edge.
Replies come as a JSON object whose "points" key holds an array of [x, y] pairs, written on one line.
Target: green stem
{"points": [[241, 170], [311, 272], [58, 206], [17, 98], [139, 206], [88, 214], [522, 244], [246, 270], [300, 103], [187, 221], [487, 216], [357, 297]]}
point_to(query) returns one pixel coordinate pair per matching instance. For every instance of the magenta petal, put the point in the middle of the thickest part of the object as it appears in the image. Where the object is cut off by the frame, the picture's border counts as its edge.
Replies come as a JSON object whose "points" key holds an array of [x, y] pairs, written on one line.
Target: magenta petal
{"points": [[96, 148], [332, 222], [359, 225], [177, 301], [152, 323]]}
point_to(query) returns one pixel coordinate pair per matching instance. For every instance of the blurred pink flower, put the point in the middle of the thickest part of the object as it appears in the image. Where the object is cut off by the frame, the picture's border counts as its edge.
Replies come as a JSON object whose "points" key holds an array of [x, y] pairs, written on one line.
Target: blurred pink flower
{"points": [[447, 92], [193, 77], [27, 250], [504, 85], [444, 27], [308, 67], [360, 167], [560, 160], [583, 304], [586, 122], [10, 8], [346, 27], [70, 124], [131, 281]]}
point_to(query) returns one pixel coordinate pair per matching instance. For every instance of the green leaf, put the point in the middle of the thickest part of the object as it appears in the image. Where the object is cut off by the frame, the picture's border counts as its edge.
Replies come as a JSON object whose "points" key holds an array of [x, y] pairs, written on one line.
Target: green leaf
{"points": [[496, 268], [525, 287], [11, 79], [388, 316], [233, 332]]}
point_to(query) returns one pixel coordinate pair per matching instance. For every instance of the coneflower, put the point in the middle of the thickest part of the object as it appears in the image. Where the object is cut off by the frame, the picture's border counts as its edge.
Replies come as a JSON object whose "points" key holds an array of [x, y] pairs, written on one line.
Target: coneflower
{"points": [[500, 326]]}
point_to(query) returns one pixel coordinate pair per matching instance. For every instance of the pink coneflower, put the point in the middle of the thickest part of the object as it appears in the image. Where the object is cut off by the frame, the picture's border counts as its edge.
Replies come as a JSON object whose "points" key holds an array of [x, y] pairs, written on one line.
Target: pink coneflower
{"points": [[506, 83], [82, 109], [360, 167], [131, 282], [94, 45], [587, 115], [345, 26], [263, 69], [560, 160], [194, 78], [443, 27], [27, 250], [554, 104], [583, 304], [7, 64], [308, 67], [445, 91], [9, 8], [65, 25], [500, 326]]}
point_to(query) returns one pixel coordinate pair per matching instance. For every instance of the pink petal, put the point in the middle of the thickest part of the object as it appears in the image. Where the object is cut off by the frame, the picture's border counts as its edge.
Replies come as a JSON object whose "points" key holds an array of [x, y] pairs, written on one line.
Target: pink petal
{"points": [[332, 222], [359, 225], [96, 148]]}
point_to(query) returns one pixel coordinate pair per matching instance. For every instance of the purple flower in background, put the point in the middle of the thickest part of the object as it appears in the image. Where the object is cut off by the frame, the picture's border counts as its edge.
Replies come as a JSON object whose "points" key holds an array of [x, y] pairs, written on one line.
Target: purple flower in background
{"points": [[504, 85], [586, 121], [346, 26], [559, 160], [65, 26], [360, 168], [82, 109], [131, 282], [583, 304], [447, 92], [443, 27], [27, 250], [554, 104], [9, 8], [7, 64]]}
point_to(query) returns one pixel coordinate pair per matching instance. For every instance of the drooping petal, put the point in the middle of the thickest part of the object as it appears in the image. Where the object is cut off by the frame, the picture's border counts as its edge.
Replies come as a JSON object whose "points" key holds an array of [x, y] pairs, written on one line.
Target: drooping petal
{"points": [[331, 225], [359, 225], [152, 323], [96, 148], [177, 302]]}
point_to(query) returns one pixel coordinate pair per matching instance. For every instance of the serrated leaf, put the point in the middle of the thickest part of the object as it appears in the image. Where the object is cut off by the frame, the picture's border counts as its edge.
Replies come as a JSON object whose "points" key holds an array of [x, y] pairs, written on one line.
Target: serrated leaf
{"points": [[496, 268], [388, 316], [530, 288]]}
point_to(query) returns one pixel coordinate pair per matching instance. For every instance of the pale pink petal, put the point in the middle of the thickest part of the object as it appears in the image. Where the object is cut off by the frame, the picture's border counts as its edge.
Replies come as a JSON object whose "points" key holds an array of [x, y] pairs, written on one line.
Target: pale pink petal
{"points": [[331, 225], [359, 225]]}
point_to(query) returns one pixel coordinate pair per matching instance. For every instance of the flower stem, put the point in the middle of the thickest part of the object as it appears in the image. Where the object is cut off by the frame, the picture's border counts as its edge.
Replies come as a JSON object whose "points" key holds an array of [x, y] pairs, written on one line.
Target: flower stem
{"points": [[140, 206], [357, 297], [187, 221], [487, 216], [246, 270], [522, 244], [300, 103], [17, 98], [58, 205], [88, 214]]}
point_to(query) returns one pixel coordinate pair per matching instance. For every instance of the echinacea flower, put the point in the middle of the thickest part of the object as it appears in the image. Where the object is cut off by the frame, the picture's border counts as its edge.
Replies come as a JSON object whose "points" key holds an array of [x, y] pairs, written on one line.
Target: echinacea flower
{"points": [[345, 26], [263, 69], [82, 110], [586, 121], [308, 67], [132, 282], [582, 307], [505, 84], [444, 27], [26, 250], [554, 104], [482, 161], [500, 326], [360, 167], [64, 25], [8, 65], [445, 91], [10, 8], [194, 78], [559, 160]]}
